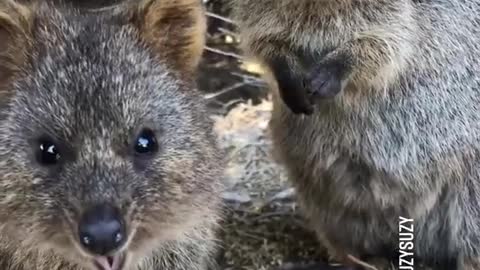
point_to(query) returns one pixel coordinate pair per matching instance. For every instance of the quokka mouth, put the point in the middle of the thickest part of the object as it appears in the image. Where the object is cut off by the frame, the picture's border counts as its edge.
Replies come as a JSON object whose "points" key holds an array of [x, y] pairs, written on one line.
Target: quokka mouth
{"points": [[115, 262]]}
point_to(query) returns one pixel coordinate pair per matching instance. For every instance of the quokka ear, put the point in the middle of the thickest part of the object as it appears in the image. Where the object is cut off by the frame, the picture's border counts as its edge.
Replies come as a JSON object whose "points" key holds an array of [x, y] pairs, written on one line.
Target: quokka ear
{"points": [[15, 30], [175, 29]]}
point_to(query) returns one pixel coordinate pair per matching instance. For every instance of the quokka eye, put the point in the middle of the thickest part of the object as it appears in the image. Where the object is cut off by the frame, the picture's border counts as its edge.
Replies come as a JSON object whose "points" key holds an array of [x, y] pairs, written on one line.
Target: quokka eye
{"points": [[146, 142], [48, 153]]}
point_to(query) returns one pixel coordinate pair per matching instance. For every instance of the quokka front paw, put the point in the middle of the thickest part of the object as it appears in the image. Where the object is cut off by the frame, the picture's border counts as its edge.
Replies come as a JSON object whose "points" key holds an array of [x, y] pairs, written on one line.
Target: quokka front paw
{"points": [[296, 100], [290, 87], [325, 80]]}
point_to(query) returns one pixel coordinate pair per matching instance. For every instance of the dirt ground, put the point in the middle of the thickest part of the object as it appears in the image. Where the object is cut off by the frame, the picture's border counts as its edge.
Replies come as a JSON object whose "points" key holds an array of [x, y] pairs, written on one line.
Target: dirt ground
{"points": [[263, 228]]}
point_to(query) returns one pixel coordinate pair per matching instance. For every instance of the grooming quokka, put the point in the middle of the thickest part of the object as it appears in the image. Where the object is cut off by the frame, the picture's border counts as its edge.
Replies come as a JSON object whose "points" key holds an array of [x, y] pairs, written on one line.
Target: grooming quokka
{"points": [[376, 116]]}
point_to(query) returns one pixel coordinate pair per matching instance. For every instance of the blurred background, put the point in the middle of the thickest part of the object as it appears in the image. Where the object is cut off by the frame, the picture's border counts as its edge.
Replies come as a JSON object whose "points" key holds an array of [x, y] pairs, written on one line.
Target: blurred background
{"points": [[263, 229]]}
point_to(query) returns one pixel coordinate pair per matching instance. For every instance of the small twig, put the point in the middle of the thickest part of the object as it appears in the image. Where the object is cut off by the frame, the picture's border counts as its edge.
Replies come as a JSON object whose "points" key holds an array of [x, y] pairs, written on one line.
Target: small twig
{"points": [[232, 102], [286, 194], [274, 214], [360, 262], [228, 54], [251, 80], [220, 17], [225, 90], [249, 235], [228, 32], [218, 107], [246, 77]]}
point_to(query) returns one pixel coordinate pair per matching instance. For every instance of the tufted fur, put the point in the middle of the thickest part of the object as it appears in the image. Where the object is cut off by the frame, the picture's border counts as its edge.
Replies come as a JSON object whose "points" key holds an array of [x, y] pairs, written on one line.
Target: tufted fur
{"points": [[91, 81], [401, 138]]}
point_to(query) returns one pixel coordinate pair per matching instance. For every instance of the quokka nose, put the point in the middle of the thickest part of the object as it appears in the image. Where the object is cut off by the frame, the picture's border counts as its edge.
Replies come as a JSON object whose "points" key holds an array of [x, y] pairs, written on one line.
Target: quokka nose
{"points": [[102, 229]]}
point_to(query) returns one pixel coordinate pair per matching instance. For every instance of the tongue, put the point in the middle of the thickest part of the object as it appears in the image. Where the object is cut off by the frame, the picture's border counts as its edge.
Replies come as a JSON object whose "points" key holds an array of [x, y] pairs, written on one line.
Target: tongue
{"points": [[108, 263]]}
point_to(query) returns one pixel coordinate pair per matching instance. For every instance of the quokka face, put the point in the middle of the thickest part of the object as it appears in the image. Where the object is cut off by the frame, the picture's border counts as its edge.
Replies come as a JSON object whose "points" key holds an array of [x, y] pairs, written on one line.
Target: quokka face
{"points": [[106, 154]]}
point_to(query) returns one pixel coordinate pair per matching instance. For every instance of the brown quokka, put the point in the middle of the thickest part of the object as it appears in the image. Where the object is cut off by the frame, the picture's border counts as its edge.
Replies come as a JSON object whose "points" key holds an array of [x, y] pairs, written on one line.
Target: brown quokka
{"points": [[376, 116], [107, 156]]}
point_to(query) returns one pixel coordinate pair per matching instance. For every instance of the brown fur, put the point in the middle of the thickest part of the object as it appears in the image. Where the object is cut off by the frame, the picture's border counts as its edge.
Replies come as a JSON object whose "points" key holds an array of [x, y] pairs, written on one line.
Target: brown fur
{"points": [[14, 26], [185, 24], [90, 81], [399, 138]]}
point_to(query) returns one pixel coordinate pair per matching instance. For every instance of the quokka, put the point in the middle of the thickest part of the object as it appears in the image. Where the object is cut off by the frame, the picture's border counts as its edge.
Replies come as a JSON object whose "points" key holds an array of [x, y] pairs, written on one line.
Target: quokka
{"points": [[108, 160], [376, 117]]}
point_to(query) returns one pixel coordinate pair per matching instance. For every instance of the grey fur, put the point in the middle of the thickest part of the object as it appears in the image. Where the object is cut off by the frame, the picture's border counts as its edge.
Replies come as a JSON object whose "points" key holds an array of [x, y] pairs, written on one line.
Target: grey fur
{"points": [[91, 82], [401, 139]]}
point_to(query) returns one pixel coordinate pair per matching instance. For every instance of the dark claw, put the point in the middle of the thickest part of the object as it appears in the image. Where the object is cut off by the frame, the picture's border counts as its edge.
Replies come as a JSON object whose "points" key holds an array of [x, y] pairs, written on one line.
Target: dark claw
{"points": [[314, 266]]}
